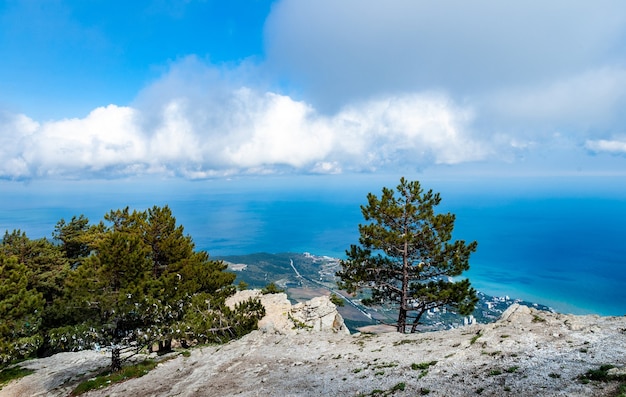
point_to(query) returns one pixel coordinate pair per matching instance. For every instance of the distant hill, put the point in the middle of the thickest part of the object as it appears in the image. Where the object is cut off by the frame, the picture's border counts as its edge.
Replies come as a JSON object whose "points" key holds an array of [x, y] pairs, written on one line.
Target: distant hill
{"points": [[304, 275]]}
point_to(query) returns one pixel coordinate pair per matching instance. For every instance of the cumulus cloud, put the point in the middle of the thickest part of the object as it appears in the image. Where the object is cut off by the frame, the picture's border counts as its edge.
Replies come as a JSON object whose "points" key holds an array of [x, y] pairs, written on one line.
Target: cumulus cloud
{"points": [[359, 85], [203, 127], [533, 73], [612, 146]]}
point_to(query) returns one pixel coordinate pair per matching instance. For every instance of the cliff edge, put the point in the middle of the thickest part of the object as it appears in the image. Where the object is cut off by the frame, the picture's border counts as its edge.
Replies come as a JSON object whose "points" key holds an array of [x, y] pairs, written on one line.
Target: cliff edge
{"points": [[526, 353]]}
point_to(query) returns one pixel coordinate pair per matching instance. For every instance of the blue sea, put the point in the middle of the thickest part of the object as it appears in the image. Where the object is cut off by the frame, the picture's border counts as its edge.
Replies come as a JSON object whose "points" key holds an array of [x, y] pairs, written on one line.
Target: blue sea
{"points": [[555, 241]]}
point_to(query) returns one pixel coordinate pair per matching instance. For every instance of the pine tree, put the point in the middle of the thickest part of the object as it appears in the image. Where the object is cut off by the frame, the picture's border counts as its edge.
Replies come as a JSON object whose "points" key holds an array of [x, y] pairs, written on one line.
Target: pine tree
{"points": [[144, 281], [74, 239], [20, 310], [405, 256]]}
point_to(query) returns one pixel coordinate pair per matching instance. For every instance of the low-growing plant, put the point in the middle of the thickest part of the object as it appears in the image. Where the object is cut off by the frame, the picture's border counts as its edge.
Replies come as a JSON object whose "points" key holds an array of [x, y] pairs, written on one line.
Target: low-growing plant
{"points": [[475, 338], [386, 365], [8, 374], [271, 288], [297, 324], [107, 378], [538, 319], [424, 365], [337, 300], [400, 386], [621, 390], [601, 374], [495, 372], [512, 369]]}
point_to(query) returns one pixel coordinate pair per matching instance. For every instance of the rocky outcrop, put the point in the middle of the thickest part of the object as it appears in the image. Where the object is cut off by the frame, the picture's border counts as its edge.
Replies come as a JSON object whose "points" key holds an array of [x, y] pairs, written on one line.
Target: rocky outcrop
{"points": [[526, 353], [317, 314]]}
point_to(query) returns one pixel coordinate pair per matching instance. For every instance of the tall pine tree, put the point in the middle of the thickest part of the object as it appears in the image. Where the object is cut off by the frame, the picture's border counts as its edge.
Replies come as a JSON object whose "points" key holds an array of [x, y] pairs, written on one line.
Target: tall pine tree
{"points": [[405, 256], [20, 310]]}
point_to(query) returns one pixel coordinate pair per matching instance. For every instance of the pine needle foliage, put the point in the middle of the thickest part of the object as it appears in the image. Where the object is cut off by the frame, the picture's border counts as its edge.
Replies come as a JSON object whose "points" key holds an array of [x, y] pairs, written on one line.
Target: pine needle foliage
{"points": [[133, 278], [406, 256]]}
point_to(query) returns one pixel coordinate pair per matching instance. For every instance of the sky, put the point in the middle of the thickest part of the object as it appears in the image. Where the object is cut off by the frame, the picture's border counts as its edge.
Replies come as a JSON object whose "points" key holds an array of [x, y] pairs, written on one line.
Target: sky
{"points": [[205, 89]]}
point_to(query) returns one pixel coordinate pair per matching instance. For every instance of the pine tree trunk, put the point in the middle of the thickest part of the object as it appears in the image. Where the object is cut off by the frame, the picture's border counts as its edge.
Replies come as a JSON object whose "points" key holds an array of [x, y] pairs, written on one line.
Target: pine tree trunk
{"points": [[405, 288], [116, 360], [402, 320]]}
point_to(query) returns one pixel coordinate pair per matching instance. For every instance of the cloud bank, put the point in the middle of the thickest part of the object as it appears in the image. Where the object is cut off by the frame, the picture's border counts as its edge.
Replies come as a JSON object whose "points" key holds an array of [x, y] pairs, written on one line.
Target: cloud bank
{"points": [[203, 127], [360, 86]]}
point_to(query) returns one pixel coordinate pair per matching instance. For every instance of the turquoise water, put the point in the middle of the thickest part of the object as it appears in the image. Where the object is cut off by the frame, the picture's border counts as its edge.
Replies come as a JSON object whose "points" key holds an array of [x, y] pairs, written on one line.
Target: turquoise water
{"points": [[556, 242]]}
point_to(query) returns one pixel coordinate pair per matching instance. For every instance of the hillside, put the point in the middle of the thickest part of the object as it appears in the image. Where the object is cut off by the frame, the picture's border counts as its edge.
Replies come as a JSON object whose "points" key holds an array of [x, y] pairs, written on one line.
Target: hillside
{"points": [[525, 353], [303, 276]]}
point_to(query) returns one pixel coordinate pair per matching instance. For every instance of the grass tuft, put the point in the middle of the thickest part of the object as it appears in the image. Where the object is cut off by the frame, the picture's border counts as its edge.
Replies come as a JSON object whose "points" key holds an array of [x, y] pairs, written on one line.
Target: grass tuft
{"points": [[424, 365], [8, 374], [475, 338], [602, 375], [107, 378]]}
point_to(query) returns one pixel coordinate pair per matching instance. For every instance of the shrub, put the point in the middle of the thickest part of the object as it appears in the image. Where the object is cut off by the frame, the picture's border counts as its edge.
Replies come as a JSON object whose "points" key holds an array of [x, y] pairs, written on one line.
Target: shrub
{"points": [[271, 288]]}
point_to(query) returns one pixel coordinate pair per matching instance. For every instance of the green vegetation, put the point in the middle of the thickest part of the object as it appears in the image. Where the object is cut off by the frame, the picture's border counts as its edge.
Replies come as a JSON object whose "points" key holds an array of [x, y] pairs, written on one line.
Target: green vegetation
{"points": [[8, 374], [108, 378], [422, 366], [475, 338], [132, 277], [297, 324], [621, 390], [337, 300], [405, 256], [271, 288], [384, 393], [538, 319], [400, 386], [601, 375]]}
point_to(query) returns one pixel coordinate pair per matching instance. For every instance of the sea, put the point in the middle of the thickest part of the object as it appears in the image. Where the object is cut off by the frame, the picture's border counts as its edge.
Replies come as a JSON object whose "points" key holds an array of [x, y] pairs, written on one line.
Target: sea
{"points": [[558, 241]]}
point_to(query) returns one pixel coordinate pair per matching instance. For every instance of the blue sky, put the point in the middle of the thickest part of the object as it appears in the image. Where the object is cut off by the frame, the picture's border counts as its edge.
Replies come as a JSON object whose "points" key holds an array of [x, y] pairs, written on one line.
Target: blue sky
{"points": [[196, 89]]}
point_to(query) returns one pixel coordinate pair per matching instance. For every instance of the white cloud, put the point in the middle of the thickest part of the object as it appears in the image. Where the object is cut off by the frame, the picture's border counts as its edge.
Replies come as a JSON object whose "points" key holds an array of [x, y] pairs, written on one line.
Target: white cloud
{"points": [[106, 138], [14, 131], [526, 76], [410, 129], [616, 146], [194, 130], [360, 85]]}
